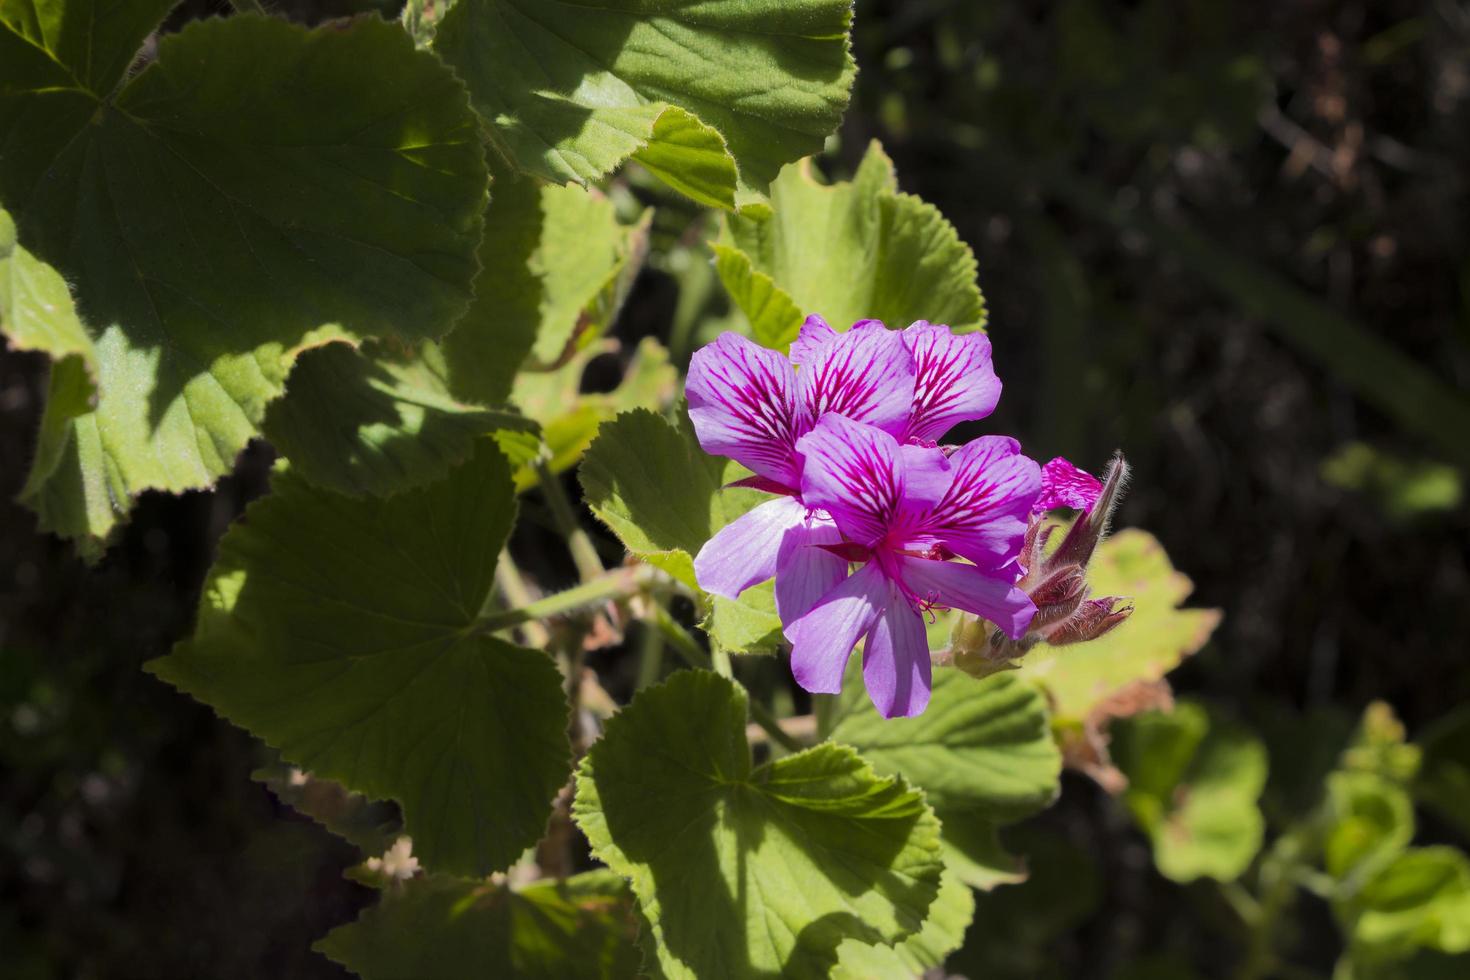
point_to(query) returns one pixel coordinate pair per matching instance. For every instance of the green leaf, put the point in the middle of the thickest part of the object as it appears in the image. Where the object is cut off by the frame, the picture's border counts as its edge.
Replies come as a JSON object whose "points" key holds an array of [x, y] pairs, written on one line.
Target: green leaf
{"points": [[438, 928], [1081, 678], [36, 309], [257, 189], [1420, 901], [342, 632], [983, 747], [943, 932], [570, 418], [745, 871], [747, 624], [1370, 821], [973, 852], [848, 251], [1193, 785], [376, 422], [712, 97], [658, 491], [555, 267]]}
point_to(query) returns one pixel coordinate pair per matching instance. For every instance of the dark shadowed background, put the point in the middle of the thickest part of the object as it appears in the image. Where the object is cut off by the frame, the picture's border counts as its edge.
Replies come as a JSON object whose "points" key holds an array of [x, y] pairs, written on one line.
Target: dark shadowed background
{"points": [[1228, 238]]}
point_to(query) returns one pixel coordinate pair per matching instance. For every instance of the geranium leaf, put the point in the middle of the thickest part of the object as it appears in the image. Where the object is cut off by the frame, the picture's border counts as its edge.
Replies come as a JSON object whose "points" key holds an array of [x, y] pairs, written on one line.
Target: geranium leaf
{"points": [[438, 928], [555, 267], [257, 189], [1080, 679], [660, 493], [943, 933], [370, 825], [848, 251], [745, 871], [36, 308], [1419, 901], [374, 422], [747, 624], [1194, 780], [712, 97], [982, 747], [341, 631]]}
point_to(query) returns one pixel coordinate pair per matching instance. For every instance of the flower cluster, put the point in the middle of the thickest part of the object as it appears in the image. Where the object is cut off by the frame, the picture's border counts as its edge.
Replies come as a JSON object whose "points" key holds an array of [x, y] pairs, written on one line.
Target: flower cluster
{"points": [[873, 524]]}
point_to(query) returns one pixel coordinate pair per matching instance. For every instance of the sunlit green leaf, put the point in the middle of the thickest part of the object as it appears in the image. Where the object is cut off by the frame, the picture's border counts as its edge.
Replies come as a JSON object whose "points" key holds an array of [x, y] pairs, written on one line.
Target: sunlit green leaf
{"points": [[848, 251], [1420, 901], [747, 624], [713, 97], [376, 422], [1194, 780], [944, 930], [341, 631], [555, 267], [439, 928], [746, 871], [36, 309], [1370, 820], [649, 481], [570, 417], [256, 189], [982, 747]]}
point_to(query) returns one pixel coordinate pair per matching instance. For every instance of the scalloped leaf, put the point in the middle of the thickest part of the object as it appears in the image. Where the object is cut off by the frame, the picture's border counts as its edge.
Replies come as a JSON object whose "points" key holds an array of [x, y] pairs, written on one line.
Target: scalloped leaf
{"points": [[848, 251], [342, 632], [36, 308], [712, 97], [751, 871], [649, 481], [257, 189], [437, 928], [943, 933], [374, 422]]}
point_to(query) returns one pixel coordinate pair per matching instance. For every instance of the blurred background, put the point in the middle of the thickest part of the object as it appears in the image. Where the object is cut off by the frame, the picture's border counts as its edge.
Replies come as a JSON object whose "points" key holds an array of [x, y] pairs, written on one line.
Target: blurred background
{"points": [[1231, 239]]}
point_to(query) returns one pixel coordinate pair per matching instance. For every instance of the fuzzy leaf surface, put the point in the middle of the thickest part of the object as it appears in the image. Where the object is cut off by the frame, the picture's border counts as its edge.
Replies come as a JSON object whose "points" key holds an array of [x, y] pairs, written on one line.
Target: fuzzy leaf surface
{"points": [[712, 97], [257, 189], [848, 251], [745, 871], [341, 632], [375, 422]]}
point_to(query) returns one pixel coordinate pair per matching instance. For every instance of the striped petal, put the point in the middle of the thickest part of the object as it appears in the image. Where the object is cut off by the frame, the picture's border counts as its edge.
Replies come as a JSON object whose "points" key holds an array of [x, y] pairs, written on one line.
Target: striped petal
{"points": [[865, 375], [746, 550], [805, 571], [954, 380], [982, 515], [853, 472], [742, 401], [822, 640], [990, 595], [896, 668]]}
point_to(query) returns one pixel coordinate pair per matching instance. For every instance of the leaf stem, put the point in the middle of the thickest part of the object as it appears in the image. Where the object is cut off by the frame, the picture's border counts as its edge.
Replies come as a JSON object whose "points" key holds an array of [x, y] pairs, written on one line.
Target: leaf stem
{"points": [[512, 586], [584, 554], [621, 583]]}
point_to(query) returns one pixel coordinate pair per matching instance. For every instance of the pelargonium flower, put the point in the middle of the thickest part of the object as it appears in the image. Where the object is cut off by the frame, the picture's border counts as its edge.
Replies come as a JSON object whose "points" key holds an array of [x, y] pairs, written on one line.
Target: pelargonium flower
{"points": [[752, 404], [902, 511]]}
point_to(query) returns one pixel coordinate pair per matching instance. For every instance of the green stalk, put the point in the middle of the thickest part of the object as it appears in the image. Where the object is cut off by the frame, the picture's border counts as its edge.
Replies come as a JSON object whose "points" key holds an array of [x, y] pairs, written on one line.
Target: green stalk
{"points": [[620, 583], [584, 555]]}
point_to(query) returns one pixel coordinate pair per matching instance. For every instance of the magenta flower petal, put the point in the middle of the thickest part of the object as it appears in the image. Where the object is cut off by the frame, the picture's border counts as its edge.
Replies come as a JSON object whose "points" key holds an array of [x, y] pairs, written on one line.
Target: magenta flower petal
{"points": [[852, 472], [865, 374], [815, 334], [742, 401], [954, 379], [896, 668], [746, 550], [822, 640], [1066, 485], [992, 596], [805, 571], [982, 515]]}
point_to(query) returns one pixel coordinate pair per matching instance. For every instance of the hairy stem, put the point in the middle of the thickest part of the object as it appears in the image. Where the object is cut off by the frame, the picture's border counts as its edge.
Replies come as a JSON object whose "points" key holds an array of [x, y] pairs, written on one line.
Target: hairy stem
{"points": [[512, 586], [620, 583]]}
